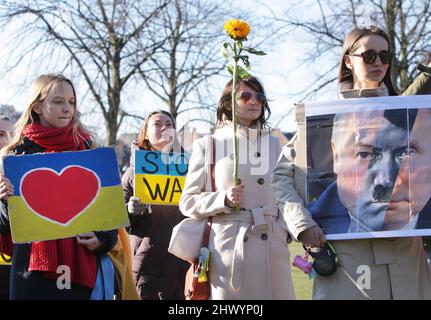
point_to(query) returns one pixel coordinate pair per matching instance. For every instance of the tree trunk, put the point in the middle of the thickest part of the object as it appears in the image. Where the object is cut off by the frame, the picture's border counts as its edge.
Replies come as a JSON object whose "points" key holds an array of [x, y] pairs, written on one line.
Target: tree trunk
{"points": [[390, 25], [112, 130]]}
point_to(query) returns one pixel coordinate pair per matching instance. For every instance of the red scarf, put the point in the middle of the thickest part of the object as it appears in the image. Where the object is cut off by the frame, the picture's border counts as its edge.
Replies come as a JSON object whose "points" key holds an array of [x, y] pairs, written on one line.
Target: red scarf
{"points": [[56, 139], [47, 256], [6, 244]]}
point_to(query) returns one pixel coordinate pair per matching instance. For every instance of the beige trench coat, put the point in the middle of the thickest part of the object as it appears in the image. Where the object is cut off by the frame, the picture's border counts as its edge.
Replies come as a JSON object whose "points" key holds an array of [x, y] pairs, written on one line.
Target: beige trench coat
{"points": [[249, 250], [398, 267]]}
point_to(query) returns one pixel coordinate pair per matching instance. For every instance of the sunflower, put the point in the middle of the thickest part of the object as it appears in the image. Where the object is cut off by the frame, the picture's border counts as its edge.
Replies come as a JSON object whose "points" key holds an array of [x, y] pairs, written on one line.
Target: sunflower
{"points": [[237, 29]]}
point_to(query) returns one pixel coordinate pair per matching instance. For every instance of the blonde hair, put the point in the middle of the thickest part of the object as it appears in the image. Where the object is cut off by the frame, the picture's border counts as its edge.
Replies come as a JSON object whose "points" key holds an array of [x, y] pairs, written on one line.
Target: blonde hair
{"points": [[40, 89]]}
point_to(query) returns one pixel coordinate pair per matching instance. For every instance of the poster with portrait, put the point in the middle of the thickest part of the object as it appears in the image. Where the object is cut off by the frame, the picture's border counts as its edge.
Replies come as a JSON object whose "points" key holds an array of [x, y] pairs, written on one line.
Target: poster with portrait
{"points": [[59, 195], [369, 166]]}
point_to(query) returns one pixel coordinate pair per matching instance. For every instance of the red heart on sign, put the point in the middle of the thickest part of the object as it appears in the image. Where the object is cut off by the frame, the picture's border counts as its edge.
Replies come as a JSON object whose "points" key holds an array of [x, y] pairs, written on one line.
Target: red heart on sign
{"points": [[60, 197]]}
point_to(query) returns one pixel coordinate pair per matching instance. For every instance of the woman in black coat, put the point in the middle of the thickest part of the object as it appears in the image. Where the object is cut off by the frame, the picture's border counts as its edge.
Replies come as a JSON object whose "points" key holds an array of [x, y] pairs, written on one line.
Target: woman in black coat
{"points": [[159, 275]]}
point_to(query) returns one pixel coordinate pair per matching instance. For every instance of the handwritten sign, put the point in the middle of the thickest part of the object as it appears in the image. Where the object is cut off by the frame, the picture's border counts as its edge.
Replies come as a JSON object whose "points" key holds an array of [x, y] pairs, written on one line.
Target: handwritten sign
{"points": [[5, 259], [160, 177]]}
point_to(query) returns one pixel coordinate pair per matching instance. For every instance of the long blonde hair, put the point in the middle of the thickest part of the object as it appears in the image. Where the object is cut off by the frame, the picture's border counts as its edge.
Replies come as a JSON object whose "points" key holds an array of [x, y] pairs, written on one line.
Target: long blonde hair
{"points": [[40, 89]]}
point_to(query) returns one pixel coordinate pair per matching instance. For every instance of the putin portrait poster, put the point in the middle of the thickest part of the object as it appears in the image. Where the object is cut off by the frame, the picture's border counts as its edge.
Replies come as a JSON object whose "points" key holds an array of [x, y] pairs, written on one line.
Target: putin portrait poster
{"points": [[59, 195], [369, 166]]}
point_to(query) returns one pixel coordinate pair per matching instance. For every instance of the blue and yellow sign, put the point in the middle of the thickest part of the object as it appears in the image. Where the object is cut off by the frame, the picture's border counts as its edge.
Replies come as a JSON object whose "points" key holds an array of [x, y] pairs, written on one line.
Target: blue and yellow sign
{"points": [[5, 259], [160, 177], [59, 195]]}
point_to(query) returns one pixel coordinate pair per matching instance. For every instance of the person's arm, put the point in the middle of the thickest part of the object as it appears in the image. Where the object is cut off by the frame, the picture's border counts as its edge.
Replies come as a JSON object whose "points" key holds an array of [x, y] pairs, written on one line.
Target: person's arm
{"points": [[108, 240], [290, 203], [195, 201], [6, 189], [98, 242], [127, 184], [139, 208], [422, 84], [4, 218]]}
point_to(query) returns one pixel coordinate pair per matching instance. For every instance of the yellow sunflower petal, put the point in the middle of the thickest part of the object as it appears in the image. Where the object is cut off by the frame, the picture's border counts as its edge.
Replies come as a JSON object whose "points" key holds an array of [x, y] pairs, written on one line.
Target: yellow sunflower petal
{"points": [[237, 29]]}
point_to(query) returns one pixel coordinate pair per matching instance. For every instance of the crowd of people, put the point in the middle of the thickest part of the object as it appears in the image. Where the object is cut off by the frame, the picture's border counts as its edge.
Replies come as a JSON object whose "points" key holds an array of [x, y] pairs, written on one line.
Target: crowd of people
{"points": [[254, 220]]}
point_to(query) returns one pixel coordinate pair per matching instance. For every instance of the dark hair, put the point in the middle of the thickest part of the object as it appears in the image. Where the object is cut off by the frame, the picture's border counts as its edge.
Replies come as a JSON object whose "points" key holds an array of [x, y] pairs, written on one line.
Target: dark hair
{"points": [[144, 143], [402, 118], [224, 109], [351, 39]]}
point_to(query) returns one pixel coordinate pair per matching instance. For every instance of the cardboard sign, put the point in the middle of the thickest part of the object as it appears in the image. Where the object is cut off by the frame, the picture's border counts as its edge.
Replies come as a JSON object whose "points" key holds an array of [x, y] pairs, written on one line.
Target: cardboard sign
{"points": [[5, 259], [160, 177], [59, 195], [368, 166]]}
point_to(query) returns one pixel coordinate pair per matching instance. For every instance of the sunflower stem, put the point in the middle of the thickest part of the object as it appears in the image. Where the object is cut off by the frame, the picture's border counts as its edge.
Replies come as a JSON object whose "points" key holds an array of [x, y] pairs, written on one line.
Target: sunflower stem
{"points": [[234, 119]]}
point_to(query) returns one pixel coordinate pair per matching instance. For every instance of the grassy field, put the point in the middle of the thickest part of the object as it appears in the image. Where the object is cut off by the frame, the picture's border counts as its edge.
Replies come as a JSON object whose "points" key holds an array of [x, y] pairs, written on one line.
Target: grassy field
{"points": [[303, 285]]}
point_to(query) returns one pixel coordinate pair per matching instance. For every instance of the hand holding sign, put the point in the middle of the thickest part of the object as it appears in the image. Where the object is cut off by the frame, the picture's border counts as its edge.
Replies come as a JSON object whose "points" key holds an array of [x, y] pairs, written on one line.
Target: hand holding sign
{"points": [[135, 207], [89, 240], [313, 237], [6, 188]]}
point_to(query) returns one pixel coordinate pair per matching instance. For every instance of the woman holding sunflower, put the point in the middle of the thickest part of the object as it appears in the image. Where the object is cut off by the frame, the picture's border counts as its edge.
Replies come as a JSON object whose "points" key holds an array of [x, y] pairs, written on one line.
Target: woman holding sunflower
{"points": [[248, 243]]}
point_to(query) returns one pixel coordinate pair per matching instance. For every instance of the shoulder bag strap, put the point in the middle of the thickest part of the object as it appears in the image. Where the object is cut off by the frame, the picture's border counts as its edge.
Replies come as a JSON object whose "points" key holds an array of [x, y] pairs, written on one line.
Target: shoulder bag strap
{"points": [[206, 237]]}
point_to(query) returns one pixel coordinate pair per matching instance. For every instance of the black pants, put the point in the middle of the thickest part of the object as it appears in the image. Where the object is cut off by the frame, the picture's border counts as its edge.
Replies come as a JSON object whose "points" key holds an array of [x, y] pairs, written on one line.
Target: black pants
{"points": [[4, 282], [35, 286]]}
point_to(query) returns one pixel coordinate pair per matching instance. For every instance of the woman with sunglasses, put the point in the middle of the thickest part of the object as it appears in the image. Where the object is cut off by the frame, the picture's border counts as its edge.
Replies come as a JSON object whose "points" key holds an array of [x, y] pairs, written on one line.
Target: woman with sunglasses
{"points": [[248, 243], [395, 268]]}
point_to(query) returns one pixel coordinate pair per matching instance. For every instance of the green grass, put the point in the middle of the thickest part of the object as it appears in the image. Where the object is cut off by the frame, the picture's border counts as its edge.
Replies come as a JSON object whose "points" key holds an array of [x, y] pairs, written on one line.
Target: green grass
{"points": [[303, 285]]}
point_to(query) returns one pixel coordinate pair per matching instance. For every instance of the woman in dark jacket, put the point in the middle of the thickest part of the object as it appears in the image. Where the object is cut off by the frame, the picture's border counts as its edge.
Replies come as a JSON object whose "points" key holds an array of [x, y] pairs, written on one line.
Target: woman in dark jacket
{"points": [[159, 275], [51, 124]]}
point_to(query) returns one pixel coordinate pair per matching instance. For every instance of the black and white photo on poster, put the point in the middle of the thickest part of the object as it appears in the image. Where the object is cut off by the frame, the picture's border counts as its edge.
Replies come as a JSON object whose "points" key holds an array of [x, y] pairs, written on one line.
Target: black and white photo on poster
{"points": [[369, 166]]}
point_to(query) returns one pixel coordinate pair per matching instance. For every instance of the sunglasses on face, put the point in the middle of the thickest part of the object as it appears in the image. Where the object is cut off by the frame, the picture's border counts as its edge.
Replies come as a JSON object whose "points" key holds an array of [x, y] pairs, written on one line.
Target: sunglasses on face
{"points": [[247, 97], [371, 55]]}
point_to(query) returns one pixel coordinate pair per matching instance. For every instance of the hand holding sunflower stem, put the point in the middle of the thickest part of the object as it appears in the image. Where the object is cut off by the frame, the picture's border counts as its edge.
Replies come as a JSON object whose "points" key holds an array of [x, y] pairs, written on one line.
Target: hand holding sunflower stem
{"points": [[238, 30]]}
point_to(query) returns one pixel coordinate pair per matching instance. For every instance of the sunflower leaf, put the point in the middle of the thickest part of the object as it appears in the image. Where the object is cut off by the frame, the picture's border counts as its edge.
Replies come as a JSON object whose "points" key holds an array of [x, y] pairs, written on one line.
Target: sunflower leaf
{"points": [[245, 61], [241, 72], [254, 51]]}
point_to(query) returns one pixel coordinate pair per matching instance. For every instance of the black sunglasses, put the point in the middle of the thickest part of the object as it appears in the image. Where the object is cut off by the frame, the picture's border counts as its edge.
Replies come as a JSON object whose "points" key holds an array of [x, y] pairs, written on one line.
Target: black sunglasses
{"points": [[247, 97], [371, 55]]}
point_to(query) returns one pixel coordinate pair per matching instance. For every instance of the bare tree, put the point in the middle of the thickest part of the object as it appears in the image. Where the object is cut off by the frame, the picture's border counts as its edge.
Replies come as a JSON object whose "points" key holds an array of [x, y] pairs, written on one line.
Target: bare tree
{"points": [[106, 41], [325, 23], [180, 73]]}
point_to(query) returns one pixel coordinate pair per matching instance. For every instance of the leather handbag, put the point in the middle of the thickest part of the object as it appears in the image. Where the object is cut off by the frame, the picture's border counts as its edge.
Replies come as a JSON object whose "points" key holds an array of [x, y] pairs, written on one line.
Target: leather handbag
{"points": [[197, 285], [186, 239]]}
